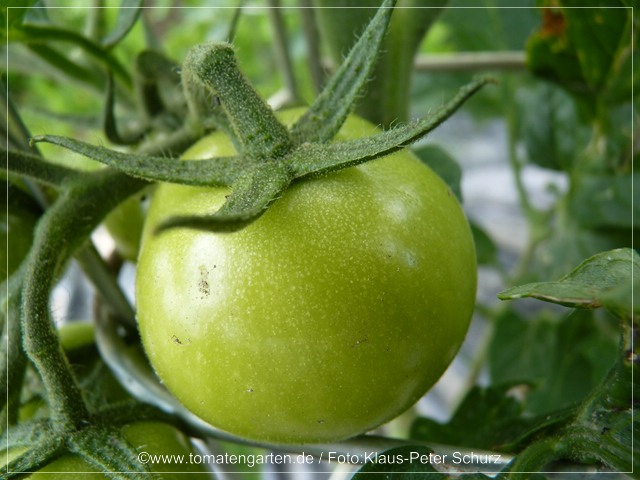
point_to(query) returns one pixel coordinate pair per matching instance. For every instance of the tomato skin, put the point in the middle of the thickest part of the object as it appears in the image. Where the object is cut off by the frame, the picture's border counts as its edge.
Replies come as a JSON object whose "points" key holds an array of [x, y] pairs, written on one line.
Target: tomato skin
{"points": [[124, 224], [329, 315]]}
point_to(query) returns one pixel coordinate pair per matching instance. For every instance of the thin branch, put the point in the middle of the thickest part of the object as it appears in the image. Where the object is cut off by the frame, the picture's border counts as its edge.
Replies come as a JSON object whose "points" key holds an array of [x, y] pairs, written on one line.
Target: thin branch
{"points": [[312, 37], [281, 46], [79, 209], [330, 109], [235, 21], [471, 62]]}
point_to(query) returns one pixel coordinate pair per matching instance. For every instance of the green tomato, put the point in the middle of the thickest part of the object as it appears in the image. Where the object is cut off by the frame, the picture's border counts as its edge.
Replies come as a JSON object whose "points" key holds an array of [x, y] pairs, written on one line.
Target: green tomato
{"points": [[153, 438], [331, 314], [124, 224]]}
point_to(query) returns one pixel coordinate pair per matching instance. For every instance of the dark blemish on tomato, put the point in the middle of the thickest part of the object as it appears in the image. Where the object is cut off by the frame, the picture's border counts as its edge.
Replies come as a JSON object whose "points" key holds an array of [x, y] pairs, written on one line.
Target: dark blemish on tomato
{"points": [[360, 341], [203, 282], [177, 341]]}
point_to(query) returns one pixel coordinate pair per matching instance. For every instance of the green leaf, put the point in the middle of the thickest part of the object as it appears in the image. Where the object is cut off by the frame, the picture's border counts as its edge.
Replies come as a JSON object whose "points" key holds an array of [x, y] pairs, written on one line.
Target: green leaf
{"points": [[568, 244], [585, 50], [588, 285], [615, 440], [69, 67], [488, 418], [550, 127], [606, 201], [562, 359], [128, 14], [218, 171], [40, 34], [600, 34], [551, 55], [486, 250], [443, 164], [490, 25], [328, 112]]}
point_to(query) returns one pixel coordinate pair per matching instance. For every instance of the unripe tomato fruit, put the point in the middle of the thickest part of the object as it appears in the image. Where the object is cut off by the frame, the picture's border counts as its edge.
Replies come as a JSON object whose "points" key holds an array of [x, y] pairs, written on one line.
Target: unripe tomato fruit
{"points": [[329, 315], [124, 223]]}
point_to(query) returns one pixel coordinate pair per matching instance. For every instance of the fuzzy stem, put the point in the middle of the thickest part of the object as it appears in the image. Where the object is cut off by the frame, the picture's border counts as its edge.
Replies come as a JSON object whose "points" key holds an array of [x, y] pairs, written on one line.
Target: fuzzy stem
{"points": [[259, 134], [13, 362], [79, 210], [535, 457]]}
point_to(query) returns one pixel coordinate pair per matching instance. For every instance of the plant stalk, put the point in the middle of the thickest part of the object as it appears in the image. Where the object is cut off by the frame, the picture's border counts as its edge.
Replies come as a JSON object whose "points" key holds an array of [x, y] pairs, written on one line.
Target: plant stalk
{"points": [[79, 209]]}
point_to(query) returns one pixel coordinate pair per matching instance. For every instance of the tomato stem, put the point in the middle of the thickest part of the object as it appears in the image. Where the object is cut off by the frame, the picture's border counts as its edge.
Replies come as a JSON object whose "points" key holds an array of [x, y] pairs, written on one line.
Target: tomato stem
{"points": [[79, 209], [213, 68]]}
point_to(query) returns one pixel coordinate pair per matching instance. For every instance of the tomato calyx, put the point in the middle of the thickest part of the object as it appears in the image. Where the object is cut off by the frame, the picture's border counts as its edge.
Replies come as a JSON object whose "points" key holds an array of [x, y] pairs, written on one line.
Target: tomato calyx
{"points": [[271, 156]]}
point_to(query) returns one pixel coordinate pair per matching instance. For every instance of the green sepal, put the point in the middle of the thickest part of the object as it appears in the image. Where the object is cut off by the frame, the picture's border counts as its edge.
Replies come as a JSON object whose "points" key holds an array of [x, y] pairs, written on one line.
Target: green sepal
{"points": [[218, 171], [251, 195], [314, 159], [35, 167], [330, 109], [39, 454], [105, 448]]}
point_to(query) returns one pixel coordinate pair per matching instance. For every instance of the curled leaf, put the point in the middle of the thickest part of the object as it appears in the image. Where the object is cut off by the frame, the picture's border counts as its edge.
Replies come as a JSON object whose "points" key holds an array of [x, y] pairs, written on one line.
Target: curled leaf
{"points": [[602, 280]]}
